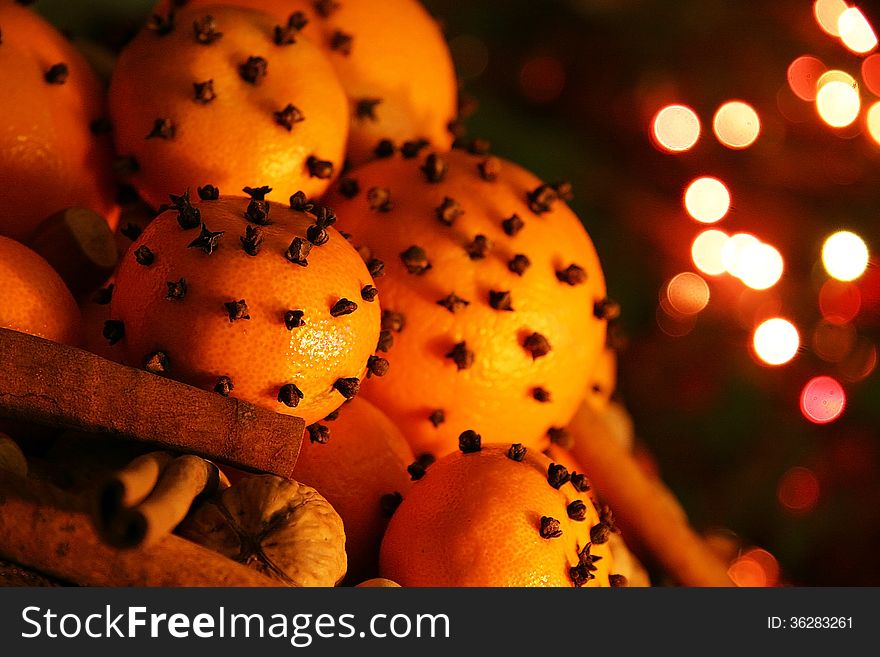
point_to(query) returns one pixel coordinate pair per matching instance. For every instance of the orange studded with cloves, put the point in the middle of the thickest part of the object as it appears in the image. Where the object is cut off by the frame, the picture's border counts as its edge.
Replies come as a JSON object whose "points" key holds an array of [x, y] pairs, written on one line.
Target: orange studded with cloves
{"points": [[489, 296], [234, 298], [210, 95]]}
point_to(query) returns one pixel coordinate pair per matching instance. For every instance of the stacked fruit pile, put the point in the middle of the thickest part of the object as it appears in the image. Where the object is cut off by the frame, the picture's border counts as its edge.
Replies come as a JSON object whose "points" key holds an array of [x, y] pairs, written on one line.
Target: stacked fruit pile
{"points": [[303, 228]]}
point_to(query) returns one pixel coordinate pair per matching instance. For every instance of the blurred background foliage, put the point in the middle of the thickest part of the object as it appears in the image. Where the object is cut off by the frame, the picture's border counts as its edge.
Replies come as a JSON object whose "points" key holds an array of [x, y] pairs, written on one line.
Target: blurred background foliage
{"points": [[568, 88]]}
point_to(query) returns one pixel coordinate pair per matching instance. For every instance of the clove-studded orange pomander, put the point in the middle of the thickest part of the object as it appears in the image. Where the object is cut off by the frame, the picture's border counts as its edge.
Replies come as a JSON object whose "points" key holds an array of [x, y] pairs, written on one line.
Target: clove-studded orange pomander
{"points": [[252, 298], [390, 56], [213, 96], [53, 154], [358, 460], [493, 296], [37, 300], [497, 515]]}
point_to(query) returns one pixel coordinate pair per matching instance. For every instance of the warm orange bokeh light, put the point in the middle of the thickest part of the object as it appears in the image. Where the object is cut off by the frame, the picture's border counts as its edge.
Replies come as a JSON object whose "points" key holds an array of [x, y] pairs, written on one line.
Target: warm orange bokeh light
{"points": [[845, 256], [872, 121], [827, 13], [822, 400], [860, 362], [837, 101], [776, 341], [833, 342], [871, 73], [798, 490], [676, 128], [707, 199], [687, 293], [706, 251], [542, 79], [803, 76], [856, 32], [736, 124], [760, 266], [839, 301], [754, 568], [734, 250]]}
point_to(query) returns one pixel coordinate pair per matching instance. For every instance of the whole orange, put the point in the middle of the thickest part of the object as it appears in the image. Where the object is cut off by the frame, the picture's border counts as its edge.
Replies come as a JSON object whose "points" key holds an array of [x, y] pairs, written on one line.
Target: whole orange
{"points": [[355, 461], [493, 296], [52, 153], [250, 298], [214, 98], [37, 302], [391, 58], [496, 517]]}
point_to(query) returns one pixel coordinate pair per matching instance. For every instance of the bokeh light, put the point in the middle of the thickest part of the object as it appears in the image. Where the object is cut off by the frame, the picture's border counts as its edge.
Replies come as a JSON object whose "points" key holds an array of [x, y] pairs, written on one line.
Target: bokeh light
{"points": [[736, 124], [803, 76], [687, 293], [542, 79], [707, 199], [845, 256], [776, 341], [833, 342], [798, 490], [838, 102], [872, 121], [759, 266], [676, 128], [734, 250], [706, 251], [871, 73], [822, 400], [827, 13], [860, 362], [839, 302], [754, 568], [856, 32]]}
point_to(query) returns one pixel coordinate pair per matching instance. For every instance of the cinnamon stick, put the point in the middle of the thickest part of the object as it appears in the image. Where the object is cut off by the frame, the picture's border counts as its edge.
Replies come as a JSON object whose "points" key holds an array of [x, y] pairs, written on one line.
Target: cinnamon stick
{"points": [[54, 385], [44, 529], [644, 504], [160, 493]]}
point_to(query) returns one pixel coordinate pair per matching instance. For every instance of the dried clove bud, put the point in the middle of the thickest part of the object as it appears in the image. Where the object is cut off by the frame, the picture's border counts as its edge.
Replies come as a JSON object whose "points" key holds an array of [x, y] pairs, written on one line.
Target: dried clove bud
{"points": [[332, 417], [206, 241], [161, 25], [557, 475], [348, 387], [114, 331], [478, 248], [437, 417], [318, 168], [550, 527], [188, 216], [379, 199], [577, 510], [448, 211], [541, 395], [57, 74], [517, 452], [500, 300], [252, 240], [606, 309], [204, 91], [294, 319], [290, 395], [286, 34], [157, 362], [393, 321], [512, 225], [258, 193], [559, 436], [341, 42], [461, 356], [369, 293], [257, 212], [518, 264], [386, 340], [452, 302], [317, 235], [411, 149], [318, 433], [288, 116], [224, 386], [162, 129], [237, 310], [389, 502], [573, 275], [580, 482], [415, 260], [377, 366], [537, 345], [489, 168], [343, 307], [599, 533], [176, 290], [349, 187], [365, 108], [205, 30], [253, 70], [542, 198], [144, 256], [376, 267], [616, 580], [469, 442], [416, 470], [325, 7], [298, 252], [385, 148], [434, 168], [300, 202]]}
